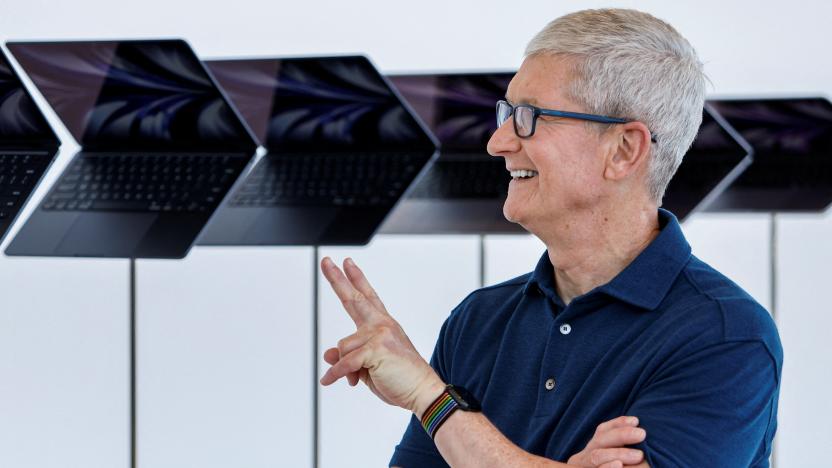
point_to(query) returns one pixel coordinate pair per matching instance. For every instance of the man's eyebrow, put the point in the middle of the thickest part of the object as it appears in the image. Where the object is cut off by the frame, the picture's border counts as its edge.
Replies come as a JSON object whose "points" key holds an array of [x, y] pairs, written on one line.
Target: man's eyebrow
{"points": [[531, 101]]}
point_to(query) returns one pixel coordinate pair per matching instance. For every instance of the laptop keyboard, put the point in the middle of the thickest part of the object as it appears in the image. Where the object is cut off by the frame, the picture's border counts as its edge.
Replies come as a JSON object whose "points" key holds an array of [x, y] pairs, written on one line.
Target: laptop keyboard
{"points": [[193, 183], [327, 179], [464, 179], [18, 175]]}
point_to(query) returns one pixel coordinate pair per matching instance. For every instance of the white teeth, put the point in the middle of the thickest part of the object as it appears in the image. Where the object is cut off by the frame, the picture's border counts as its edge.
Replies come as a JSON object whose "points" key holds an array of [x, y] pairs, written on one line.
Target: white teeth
{"points": [[523, 174]]}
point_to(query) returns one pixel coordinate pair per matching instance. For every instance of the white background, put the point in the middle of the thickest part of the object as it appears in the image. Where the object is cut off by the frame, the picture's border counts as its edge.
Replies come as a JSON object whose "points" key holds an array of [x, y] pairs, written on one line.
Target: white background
{"points": [[225, 336]]}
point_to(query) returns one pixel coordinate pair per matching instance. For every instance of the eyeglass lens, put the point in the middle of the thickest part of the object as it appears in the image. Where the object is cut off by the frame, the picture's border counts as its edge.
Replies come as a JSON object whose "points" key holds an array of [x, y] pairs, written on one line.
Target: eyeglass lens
{"points": [[523, 120], [503, 112], [523, 117]]}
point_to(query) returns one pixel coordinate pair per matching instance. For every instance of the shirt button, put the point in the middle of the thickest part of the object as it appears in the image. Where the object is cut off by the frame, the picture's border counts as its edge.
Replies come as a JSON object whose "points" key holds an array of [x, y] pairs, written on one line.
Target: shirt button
{"points": [[565, 329], [550, 384]]}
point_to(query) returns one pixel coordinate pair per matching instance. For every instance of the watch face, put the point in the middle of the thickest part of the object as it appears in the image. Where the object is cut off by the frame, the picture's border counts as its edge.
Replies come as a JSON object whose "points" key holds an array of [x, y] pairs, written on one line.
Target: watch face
{"points": [[464, 398]]}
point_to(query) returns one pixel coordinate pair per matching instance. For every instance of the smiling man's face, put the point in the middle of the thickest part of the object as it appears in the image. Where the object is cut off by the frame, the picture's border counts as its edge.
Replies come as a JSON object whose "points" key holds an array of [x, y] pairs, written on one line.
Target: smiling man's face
{"points": [[567, 154]]}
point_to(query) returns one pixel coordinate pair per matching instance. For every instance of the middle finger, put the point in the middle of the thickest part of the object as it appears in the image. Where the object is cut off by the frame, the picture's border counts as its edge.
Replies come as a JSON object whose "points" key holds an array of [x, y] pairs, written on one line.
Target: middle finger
{"points": [[356, 305]]}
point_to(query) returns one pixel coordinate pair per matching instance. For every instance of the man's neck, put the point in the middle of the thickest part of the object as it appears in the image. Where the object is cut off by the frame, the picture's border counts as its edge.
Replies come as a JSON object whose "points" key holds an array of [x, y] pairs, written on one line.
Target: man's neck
{"points": [[591, 249]]}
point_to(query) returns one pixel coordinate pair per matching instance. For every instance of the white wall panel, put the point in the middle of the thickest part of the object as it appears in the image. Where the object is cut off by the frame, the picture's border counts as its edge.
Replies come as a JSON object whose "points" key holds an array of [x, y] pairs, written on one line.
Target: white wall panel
{"points": [[63, 363], [420, 280], [804, 318], [224, 354], [509, 256], [737, 245]]}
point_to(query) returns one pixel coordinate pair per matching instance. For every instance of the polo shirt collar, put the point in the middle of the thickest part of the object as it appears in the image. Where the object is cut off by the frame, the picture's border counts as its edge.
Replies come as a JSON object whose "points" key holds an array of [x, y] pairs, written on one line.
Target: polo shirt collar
{"points": [[645, 281]]}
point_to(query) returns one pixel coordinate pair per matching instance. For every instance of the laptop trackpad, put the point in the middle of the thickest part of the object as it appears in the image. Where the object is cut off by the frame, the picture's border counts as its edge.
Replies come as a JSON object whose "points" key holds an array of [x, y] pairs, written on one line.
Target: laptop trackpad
{"points": [[290, 226], [105, 234]]}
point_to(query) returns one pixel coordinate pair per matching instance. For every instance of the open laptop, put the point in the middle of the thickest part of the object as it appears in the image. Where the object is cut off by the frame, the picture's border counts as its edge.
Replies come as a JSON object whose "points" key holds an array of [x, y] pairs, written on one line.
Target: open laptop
{"points": [[792, 141], [717, 157], [342, 150], [465, 189], [27, 145], [160, 148]]}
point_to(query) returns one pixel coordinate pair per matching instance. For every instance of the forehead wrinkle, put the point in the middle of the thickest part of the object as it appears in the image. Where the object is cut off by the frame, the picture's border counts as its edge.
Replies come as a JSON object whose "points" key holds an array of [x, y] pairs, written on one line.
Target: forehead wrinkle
{"points": [[535, 101], [522, 100], [546, 76]]}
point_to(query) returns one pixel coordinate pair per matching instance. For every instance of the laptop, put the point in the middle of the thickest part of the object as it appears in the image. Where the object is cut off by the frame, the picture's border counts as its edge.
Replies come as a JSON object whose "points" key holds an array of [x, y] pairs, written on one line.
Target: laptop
{"points": [[717, 157], [160, 148], [792, 141], [27, 145], [465, 189], [342, 149]]}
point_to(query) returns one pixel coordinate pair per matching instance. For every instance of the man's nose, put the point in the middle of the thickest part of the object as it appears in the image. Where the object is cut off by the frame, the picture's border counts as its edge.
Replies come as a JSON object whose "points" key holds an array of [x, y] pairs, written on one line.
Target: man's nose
{"points": [[504, 141]]}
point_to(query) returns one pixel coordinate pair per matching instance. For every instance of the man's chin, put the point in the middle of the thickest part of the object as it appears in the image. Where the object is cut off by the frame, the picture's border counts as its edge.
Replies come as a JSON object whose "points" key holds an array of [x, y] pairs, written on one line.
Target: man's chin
{"points": [[514, 214], [511, 214]]}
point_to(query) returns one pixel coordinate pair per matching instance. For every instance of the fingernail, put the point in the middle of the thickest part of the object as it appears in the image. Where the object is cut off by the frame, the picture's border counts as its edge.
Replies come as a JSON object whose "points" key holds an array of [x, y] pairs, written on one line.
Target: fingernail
{"points": [[632, 420], [349, 261]]}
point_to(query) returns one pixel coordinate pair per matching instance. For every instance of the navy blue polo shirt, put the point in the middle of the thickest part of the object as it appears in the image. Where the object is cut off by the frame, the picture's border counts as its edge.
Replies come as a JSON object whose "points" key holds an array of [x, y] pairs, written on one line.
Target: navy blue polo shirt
{"points": [[669, 340]]}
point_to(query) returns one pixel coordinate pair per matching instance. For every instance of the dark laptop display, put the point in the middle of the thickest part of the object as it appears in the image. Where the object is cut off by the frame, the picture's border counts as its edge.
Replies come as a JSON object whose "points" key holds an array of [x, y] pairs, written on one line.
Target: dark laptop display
{"points": [[160, 148], [27, 145], [459, 108], [464, 190], [717, 157], [792, 141], [342, 149]]}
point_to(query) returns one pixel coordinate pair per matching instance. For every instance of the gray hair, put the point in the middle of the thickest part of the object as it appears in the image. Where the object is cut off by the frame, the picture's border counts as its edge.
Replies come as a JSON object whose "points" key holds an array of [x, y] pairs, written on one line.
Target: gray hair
{"points": [[633, 65]]}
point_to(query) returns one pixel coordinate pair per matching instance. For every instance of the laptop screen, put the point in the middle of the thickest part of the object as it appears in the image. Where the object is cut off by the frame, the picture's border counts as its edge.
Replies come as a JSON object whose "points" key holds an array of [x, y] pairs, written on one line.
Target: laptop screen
{"points": [[321, 103], [714, 140], [717, 156], [133, 95], [21, 122], [797, 127], [458, 107]]}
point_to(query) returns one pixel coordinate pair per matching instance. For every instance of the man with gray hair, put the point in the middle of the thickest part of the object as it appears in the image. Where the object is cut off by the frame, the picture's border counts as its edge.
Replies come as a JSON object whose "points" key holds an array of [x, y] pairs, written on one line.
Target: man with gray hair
{"points": [[618, 318]]}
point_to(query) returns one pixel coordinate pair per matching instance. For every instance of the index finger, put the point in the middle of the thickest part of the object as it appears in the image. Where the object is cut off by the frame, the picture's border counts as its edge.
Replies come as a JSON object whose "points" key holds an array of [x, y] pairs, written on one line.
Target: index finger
{"points": [[620, 437], [359, 281], [356, 305], [620, 421]]}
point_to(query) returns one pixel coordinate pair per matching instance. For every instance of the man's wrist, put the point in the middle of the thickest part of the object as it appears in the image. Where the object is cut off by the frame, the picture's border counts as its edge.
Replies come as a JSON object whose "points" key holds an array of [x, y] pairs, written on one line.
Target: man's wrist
{"points": [[427, 396]]}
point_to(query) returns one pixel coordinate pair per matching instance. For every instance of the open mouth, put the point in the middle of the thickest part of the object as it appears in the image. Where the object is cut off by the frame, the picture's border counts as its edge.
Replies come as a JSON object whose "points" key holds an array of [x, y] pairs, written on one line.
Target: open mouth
{"points": [[523, 174]]}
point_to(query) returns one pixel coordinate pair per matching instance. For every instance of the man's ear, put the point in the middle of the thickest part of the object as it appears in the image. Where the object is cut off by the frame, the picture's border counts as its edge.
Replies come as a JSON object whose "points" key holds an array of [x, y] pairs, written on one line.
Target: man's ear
{"points": [[629, 149]]}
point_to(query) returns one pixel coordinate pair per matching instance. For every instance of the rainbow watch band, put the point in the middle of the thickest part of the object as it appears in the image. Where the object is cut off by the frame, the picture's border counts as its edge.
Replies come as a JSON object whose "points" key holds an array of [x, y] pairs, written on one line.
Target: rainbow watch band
{"points": [[438, 412]]}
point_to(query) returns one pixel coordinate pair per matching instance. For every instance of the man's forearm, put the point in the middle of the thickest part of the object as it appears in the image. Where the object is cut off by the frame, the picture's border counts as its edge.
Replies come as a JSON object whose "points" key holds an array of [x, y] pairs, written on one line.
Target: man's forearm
{"points": [[470, 440]]}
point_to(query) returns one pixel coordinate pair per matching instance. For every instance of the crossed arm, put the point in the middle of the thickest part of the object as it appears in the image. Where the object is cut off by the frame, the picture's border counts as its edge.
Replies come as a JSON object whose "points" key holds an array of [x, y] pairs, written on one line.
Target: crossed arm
{"points": [[381, 355]]}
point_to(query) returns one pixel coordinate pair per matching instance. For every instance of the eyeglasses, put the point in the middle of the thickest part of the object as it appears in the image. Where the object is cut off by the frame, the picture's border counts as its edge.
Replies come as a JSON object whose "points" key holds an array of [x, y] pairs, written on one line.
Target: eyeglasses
{"points": [[525, 117]]}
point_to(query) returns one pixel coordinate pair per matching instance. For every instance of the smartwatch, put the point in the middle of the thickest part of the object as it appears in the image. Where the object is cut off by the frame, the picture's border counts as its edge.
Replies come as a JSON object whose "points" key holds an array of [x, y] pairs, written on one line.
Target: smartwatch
{"points": [[452, 399]]}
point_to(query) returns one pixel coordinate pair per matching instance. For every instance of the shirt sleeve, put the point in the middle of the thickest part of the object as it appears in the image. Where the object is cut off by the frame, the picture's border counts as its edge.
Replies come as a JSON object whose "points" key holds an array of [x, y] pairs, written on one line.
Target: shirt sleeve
{"points": [[416, 449], [716, 407]]}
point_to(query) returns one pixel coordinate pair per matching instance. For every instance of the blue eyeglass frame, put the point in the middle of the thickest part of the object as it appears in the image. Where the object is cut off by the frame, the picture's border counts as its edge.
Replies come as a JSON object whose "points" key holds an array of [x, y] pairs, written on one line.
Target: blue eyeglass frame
{"points": [[537, 112]]}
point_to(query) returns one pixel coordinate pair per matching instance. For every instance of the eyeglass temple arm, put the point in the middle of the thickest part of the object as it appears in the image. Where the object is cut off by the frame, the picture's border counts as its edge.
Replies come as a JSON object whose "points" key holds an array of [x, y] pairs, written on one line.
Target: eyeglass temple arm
{"points": [[590, 117]]}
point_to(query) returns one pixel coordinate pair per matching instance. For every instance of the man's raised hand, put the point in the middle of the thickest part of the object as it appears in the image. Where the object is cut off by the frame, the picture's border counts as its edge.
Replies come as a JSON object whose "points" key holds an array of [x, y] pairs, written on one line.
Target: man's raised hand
{"points": [[379, 353]]}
